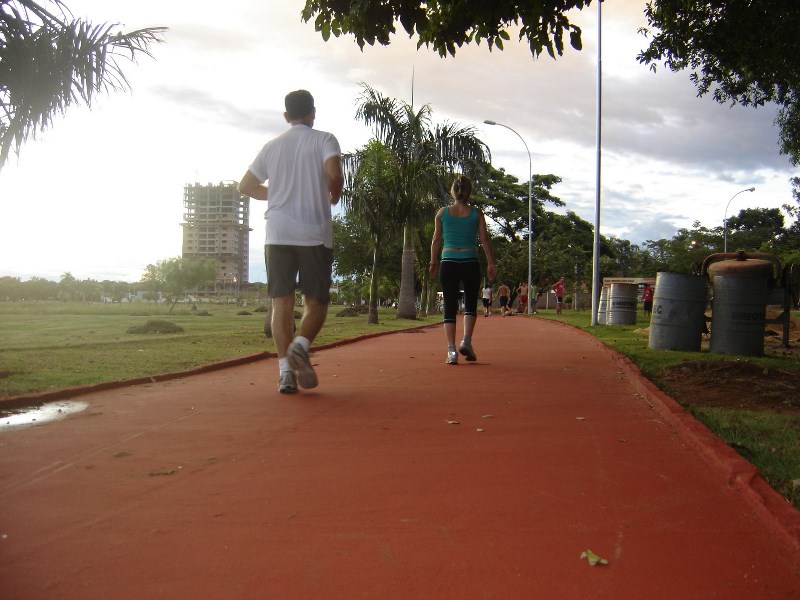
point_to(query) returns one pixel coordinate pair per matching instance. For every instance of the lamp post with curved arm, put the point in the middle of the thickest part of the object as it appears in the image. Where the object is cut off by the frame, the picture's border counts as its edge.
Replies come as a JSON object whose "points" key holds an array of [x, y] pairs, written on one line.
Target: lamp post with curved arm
{"points": [[530, 210], [725, 222]]}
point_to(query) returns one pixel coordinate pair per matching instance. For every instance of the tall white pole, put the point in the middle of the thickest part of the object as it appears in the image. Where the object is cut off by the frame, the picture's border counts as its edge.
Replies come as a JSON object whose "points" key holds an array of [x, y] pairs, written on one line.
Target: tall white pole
{"points": [[596, 284], [530, 209]]}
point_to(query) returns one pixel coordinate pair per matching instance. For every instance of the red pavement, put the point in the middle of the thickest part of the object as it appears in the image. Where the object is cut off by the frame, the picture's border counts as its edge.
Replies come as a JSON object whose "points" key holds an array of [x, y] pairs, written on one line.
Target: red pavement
{"points": [[216, 486]]}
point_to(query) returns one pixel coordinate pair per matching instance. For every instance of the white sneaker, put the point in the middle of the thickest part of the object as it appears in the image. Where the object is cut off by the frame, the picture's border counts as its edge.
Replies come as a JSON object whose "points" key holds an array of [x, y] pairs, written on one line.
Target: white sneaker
{"points": [[452, 357], [287, 384], [298, 360]]}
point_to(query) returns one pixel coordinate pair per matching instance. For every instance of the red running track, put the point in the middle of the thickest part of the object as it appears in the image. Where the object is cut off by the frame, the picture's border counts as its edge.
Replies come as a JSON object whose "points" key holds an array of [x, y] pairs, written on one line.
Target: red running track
{"points": [[214, 485]]}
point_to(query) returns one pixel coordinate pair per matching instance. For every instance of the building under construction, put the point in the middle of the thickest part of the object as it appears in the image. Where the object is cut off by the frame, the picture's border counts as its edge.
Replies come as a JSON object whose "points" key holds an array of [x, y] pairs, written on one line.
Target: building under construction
{"points": [[217, 226]]}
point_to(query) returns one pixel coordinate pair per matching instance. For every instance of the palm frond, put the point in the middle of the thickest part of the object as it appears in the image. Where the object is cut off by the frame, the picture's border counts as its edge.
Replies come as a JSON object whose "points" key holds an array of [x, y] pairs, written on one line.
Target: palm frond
{"points": [[48, 63]]}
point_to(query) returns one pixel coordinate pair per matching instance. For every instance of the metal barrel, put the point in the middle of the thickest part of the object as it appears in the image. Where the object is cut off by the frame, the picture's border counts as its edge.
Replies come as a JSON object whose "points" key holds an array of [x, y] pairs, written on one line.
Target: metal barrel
{"points": [[678, 316], [602, 306], [622, 304], [738, 316]]}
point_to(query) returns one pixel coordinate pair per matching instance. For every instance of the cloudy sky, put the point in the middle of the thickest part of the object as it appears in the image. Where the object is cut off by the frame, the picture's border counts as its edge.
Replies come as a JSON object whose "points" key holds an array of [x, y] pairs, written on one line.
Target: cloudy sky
{"points": [[100, 194]]}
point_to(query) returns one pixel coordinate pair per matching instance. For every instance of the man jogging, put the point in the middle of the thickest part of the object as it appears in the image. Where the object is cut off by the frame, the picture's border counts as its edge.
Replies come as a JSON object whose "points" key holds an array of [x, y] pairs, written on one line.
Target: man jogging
{"points": [[299, 173]]}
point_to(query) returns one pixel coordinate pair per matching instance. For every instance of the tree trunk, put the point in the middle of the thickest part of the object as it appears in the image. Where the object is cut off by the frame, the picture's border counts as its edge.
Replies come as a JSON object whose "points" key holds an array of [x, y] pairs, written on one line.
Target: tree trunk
{"points": [[431, 299], [406, 308], [372, 319], [423, 297]]}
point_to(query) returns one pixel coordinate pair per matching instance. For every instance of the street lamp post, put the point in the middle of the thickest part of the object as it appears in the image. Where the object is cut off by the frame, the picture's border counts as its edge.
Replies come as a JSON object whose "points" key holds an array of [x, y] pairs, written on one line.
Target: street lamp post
{"points": [[530, 211], [725, 222]]}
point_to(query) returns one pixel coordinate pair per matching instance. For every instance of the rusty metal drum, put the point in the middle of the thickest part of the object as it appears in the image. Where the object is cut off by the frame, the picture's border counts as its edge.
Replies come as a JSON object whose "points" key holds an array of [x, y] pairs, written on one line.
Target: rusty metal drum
{"points": [[678, 318]]}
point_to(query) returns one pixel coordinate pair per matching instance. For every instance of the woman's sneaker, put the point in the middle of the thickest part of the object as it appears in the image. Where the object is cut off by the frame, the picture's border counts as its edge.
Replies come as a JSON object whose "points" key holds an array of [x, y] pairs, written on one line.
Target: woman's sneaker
{"points": [[452, 357], [466, 350], [298, 360]]}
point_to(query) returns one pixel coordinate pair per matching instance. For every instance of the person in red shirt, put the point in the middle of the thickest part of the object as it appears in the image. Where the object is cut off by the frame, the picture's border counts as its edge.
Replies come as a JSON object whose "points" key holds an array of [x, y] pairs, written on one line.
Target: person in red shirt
{"points": [[560, 287], [647, 299]]}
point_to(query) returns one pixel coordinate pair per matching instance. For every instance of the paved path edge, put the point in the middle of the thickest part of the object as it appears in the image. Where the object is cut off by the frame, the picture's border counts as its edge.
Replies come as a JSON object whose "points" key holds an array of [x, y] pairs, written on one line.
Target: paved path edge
{"points": [[776, 512]]}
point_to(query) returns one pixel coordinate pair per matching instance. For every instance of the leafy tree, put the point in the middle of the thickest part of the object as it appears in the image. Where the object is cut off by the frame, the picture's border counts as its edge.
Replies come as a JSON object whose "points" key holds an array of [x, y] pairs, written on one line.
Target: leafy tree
{"points": [[447, 24], [687, 249], [372, 185], [152, 281], [504, 201], [423, 156], [39, 288], [10, 289], [755, 229], [787, 245], [177, 275], [741, 51], [67, 287], [49, 61]]}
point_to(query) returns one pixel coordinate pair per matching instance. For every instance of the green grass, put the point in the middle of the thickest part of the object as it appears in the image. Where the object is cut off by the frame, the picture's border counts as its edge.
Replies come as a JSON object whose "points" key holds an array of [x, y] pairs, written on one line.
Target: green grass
{"points": [[51, 346], [768, 440]]}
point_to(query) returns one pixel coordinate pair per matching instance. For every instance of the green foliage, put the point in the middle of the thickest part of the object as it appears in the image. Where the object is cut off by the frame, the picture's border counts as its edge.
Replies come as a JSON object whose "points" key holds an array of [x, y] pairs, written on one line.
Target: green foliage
{"points": [[156, 326], [49, 61], [446, 25], [174, 276], [422, 157], [768, 440]]}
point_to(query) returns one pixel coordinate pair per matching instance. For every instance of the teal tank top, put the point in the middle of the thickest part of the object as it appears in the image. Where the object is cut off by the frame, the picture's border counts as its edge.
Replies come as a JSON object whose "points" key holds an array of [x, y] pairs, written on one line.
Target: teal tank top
{"points": [[460, 232]]}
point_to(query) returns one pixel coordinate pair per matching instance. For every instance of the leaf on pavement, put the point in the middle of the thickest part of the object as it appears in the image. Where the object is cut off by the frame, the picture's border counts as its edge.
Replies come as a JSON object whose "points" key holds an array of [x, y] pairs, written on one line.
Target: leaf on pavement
{"points": [[593, 558]]}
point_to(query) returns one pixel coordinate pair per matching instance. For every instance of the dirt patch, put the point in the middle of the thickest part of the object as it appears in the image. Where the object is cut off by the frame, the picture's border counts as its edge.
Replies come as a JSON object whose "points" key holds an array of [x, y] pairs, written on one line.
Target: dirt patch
{"points": [[735, 384], [739, 383]]}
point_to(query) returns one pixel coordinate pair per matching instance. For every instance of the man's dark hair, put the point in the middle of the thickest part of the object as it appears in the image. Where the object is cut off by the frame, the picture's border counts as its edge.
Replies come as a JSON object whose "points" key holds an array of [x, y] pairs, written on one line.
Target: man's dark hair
{"points": [[299, 104]]}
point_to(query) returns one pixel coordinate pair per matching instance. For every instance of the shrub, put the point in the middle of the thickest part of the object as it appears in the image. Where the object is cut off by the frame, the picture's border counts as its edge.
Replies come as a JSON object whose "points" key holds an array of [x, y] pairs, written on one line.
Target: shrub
{"points": [[156, 326]]}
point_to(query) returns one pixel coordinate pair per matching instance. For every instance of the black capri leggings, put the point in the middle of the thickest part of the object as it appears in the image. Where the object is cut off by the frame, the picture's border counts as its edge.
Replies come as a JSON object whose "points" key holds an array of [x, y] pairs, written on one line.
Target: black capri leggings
{"points": [[452, 274]]}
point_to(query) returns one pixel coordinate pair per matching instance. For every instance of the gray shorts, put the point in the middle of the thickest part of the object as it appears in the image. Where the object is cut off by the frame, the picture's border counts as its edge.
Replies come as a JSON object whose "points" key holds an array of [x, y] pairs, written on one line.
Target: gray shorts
{"points": [[311, 265]]}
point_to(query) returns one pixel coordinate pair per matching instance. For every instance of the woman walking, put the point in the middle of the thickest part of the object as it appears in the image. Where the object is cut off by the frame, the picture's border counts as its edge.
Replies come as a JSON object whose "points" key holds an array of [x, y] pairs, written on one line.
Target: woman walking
{"points": [[456, 229]]}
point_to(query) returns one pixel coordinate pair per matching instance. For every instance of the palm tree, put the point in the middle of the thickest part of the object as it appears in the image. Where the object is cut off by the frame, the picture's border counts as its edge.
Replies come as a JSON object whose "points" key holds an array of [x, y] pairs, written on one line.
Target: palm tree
{"points": [[49, 61], [371, 186], [423, 155]]}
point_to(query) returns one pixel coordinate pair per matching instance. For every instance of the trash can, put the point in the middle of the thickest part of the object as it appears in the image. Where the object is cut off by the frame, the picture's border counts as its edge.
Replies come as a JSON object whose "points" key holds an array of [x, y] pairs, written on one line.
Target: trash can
{"points": [[678, 318]]}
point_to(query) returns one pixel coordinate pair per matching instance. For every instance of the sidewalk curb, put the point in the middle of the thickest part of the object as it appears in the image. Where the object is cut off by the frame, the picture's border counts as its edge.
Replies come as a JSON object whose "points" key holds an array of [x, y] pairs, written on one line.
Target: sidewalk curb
{"points": [[778, 514]]}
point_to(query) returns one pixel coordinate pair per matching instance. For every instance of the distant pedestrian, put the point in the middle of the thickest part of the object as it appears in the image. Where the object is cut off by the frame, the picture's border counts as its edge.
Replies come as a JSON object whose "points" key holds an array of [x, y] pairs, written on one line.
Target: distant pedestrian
{"points": [[522, 291], [647, 299], [487, 299], [457, 227], [504, 298], [304, 170], [559, 287]]}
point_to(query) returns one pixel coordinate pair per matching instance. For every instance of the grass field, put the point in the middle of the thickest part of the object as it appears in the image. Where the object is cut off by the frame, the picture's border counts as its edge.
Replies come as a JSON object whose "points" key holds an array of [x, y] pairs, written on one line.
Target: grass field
{"points": [[51, 346]]}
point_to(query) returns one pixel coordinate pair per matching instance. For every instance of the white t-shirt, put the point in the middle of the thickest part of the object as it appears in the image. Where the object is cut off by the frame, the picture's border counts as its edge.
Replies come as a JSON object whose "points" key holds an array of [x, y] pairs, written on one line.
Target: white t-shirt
{"points": [[299, 205]]}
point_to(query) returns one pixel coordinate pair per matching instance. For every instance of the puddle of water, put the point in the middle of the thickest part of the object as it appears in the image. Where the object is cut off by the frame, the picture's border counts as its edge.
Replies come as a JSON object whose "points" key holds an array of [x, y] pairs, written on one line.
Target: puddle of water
{"points": [[52, 411]]}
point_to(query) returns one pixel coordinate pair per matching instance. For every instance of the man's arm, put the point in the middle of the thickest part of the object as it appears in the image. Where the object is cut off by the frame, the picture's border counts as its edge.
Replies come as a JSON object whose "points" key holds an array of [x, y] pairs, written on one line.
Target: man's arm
{"points": [[333, 171], [251, 186]]}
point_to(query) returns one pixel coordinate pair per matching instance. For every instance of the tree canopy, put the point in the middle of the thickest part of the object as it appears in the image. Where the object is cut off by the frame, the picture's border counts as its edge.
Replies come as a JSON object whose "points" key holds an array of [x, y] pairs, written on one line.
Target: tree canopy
{"points": [[446, 25]]}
